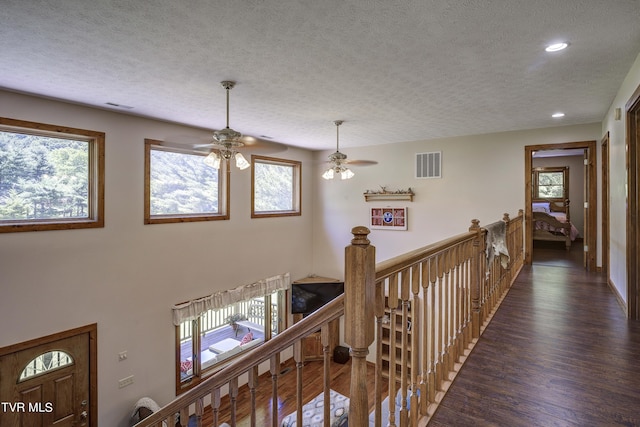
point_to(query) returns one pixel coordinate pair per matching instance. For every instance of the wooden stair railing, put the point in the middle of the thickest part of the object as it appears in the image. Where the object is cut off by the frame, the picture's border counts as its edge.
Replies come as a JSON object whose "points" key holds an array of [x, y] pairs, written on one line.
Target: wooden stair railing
{"points": [[448, 293], [248, 364], [442, 296]]}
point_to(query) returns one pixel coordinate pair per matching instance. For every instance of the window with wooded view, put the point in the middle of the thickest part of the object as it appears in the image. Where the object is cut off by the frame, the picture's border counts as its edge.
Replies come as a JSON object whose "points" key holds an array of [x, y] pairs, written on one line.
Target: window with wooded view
{"points": [[551, 183], [180, 187], [275, 187], [51, 177]]}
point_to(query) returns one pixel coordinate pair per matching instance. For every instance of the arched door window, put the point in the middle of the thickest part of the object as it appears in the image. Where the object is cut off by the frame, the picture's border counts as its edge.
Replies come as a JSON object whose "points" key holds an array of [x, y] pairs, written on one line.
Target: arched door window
{"points": [[44, 363]]}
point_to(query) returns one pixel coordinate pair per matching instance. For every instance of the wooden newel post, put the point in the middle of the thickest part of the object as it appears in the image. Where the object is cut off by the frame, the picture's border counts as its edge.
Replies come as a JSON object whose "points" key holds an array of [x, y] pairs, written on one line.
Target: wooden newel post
{"points": [[475, 280], [359, 321]]}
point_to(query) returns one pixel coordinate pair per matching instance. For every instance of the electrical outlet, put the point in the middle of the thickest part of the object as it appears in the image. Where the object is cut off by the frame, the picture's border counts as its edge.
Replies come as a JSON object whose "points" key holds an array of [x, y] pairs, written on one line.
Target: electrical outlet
{"points": [[122, 356], [125, 381]]}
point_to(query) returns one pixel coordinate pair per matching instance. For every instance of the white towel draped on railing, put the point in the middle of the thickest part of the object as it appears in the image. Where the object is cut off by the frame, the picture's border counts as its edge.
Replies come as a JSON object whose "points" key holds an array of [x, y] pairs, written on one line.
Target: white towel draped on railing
{"points": [[191, 310]]}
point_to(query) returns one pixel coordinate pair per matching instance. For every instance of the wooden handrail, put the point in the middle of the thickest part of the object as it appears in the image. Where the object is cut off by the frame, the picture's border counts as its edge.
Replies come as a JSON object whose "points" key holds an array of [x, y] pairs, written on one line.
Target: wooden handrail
{"points": [[437, 299], [396, 264], [254, 356]]}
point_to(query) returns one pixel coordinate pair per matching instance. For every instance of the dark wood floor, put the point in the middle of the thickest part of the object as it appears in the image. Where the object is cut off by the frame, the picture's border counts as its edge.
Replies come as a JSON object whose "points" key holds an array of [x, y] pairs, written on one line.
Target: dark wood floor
{"points": [[558, 352]]}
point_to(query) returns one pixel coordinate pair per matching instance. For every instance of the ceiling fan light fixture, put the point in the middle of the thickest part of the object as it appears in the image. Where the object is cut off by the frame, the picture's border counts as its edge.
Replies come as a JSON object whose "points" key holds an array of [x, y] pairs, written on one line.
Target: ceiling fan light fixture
{"points": [[227, 141], [337, 159], [328, 174], [212, 160], [241, 162], [346, 174]]}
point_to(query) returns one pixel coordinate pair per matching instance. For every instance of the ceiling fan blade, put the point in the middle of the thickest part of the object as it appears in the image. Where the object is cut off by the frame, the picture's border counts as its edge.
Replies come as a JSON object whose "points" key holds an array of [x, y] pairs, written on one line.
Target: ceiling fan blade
{"points": [[181, 146], [263, 146], [361, 162]]}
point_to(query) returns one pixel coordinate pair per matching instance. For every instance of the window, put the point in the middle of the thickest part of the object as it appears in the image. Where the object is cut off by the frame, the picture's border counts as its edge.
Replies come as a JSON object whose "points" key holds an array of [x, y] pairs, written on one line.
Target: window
{"points": [[551, 183], [44, 363], [180, 187], [219, 335], [275, 187], [51, 177]]}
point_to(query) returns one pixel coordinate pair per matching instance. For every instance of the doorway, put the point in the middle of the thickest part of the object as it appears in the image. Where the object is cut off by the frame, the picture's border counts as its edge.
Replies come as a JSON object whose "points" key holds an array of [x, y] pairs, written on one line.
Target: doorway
{"points": [[605, 203], [590, 191], [633, 204], [50, 381]]}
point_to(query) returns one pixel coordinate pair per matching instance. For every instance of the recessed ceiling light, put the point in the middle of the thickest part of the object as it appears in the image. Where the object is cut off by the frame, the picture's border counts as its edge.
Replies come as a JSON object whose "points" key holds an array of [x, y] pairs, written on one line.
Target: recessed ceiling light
{"points": [[557, 115], [555, 47]]}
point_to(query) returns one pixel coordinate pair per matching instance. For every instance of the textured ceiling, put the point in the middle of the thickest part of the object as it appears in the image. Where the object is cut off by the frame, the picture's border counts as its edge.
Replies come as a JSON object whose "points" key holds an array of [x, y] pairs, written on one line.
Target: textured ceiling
{"points": [[394, 70]]}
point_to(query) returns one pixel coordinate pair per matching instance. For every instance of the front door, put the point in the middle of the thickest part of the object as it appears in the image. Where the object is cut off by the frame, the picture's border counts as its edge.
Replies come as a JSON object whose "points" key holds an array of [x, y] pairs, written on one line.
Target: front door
{"points": [[47, 382]]}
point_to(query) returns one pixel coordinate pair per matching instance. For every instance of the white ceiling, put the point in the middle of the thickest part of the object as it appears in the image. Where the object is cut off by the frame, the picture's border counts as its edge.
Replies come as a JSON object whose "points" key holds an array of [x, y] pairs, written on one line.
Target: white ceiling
{"points": [[394, 70]]}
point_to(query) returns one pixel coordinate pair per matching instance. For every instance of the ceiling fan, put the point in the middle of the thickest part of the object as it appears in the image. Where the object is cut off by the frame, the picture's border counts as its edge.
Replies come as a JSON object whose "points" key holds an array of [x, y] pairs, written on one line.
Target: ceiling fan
{"points": [[338, 160], [227, 141]]}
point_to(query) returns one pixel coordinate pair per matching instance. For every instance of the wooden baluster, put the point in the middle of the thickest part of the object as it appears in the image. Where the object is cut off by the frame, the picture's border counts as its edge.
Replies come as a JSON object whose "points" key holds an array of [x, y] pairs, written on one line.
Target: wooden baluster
{"points": [[453, 347], [434, 348], [465, 295], [253, 384], [405, 289], [215, 405], [416, 332], [274, 369], [475, 279], [458, 341], [184, 417], [392, 303], [453, 354], [520, 244], [233, 396], [297, 357], [467, 292], [324, 336], [467, 285], [444, 314], [426, 336], [509, 243], [379, 314], [359, 300], [199, 411]]}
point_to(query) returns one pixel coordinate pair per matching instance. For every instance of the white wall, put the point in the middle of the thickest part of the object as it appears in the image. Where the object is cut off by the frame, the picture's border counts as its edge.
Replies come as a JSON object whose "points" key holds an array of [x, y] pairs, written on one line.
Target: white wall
{"points": [[618, 180], [127, 275], [482, 177]]}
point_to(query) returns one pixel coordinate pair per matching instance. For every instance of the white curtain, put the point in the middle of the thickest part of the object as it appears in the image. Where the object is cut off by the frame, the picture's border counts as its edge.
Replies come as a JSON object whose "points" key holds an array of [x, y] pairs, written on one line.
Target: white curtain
{"points": [[193, 309]]}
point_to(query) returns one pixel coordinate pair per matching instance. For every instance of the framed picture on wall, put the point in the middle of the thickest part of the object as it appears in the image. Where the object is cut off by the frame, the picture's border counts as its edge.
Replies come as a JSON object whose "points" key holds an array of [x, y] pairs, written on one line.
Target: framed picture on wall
{"points": [[388, 218]]}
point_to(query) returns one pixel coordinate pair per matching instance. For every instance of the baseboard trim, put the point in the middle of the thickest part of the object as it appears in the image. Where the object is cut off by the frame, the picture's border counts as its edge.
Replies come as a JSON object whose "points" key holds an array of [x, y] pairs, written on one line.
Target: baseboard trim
{"points": [[623, 305]]}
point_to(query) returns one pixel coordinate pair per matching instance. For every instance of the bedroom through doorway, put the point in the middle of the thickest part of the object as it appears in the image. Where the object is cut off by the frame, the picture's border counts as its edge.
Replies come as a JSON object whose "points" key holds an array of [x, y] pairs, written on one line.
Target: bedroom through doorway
{"points": [[560, 204]]}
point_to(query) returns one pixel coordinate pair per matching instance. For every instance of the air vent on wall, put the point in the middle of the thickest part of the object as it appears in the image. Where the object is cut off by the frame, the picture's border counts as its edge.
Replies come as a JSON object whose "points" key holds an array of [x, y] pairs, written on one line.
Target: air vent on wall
{"points": [[429, 165]]}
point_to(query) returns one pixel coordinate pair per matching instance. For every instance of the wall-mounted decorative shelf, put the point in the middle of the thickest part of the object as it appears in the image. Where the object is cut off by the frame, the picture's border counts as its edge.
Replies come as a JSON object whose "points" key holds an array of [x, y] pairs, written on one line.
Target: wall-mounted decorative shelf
{"points": [[372, 196]]}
